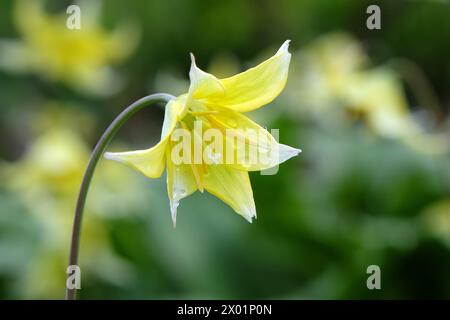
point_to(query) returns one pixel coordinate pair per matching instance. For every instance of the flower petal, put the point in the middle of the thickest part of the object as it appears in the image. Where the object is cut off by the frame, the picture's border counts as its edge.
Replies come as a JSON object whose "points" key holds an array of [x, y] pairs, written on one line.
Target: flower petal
{"points": [[180, 184], [254, 148], [150, 162], [257, 86], [203, 85], [233, 187]]}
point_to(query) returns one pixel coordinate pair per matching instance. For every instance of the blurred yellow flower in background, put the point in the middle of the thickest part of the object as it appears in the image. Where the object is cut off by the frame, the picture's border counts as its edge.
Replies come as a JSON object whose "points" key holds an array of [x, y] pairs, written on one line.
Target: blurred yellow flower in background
{"points": [[436, 219], [378, 95], [321, 69], [332, 74], [81, 58], [46, 179]]}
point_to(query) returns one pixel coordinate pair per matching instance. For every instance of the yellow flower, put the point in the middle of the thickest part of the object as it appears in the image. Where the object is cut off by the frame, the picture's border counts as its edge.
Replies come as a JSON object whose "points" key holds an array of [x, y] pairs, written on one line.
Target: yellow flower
{"points": [[214, 103], [378, 95], [321, 71], [436, 220], [81, 58], [46, 179]]}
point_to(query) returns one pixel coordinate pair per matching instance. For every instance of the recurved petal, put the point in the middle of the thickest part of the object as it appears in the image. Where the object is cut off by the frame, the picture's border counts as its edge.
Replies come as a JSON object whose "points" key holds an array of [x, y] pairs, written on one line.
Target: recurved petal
{"points": [[180, 184], [203, 85], [150, 162], [233, 187], [257, 86], [247, 145]]}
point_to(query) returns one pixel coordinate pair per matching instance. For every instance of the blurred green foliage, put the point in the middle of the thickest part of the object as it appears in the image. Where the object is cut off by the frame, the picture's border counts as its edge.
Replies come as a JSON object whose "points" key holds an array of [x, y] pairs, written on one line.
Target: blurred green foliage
{"points": [[356, 196]]}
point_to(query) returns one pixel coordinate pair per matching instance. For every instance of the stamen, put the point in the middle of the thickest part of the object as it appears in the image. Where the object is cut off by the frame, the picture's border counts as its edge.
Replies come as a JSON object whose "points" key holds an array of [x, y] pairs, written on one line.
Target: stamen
{"points": [[197, 175], [204, 168]]}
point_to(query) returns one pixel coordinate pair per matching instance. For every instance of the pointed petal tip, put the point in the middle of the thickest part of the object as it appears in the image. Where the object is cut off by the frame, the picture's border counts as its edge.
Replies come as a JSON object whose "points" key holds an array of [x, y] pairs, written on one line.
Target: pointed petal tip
{"points": [[284, 47], [282, 153], [251, 215], [173, 211], [250, 219], [193, 65], [111, 156], [286, 152]]}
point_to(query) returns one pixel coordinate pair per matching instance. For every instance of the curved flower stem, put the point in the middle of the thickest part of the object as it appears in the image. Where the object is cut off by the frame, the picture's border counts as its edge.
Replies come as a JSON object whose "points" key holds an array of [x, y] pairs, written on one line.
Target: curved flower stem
{"points": [[95, 157]]}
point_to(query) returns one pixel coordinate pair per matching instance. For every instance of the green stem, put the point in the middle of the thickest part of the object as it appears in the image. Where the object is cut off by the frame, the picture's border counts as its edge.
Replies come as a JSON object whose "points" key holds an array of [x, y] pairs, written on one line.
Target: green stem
{"points": [[95, 157]]}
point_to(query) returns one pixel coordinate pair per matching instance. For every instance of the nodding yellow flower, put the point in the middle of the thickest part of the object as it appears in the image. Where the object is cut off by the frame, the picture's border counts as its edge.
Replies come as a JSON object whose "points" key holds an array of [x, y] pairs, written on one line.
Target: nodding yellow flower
{"points": [[81, 58], [217, 104]]}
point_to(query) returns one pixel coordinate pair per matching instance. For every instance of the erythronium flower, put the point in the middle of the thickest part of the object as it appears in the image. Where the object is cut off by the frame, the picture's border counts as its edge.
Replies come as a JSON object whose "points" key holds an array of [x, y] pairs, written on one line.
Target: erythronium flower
{"points": [[215, 104], [218, 104]]}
